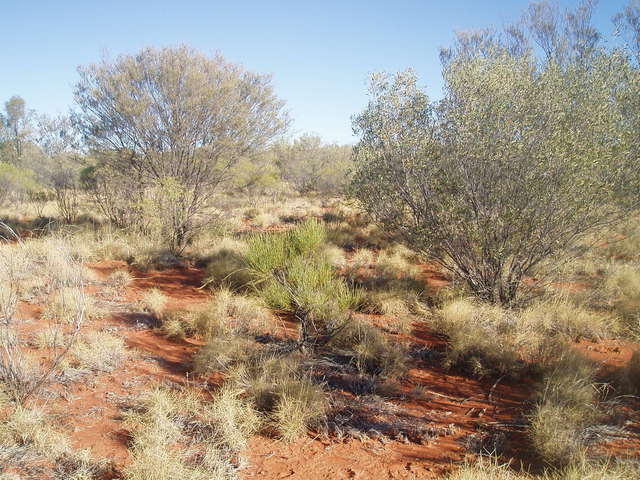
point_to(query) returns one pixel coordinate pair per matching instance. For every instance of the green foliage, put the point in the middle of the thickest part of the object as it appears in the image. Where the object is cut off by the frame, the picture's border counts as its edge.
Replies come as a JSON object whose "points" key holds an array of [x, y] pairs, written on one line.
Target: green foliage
{"points": [[127, 108], [311, 166], [513, 165], [293, 274], [16, 183]]}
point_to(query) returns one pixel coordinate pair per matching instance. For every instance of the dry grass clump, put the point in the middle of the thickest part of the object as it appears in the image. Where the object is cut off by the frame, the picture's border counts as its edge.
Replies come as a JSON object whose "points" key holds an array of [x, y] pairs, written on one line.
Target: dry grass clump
{"points": [[155, 302], [558, 315], [68, 303], [166, 420], [226, 313], [265, 219], [99, 351], [291, 402], [55, 274], [226, 266], [623, 284], [481, 337], [30, 431], [491, 469], [334, 256], [370, 351], [490, 339], [28, 427], [566, 406], [394, 263], [222, 352], [119, 279]]}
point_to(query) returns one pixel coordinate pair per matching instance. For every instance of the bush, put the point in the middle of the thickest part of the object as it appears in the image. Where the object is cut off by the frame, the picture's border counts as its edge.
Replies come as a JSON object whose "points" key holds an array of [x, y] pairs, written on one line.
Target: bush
{"points": [[505, 171], [222, 352], [155, 302], [293, 274], [227, 313], [221, 428], [623, 283], [481, 337], [226, 266]]}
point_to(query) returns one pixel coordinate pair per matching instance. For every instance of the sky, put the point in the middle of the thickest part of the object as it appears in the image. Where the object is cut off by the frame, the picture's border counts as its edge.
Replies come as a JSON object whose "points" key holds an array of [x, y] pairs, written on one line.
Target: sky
{"points": [[320, 53]]}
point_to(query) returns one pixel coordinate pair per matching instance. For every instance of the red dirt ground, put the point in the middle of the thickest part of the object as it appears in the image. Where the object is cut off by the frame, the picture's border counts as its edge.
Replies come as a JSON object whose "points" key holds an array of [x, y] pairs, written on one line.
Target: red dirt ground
{"points": [[91, 411]]}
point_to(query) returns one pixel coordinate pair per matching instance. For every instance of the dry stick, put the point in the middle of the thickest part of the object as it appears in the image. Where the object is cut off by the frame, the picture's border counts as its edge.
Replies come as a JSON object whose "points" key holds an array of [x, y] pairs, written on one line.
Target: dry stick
{"points": [[494, 387]]}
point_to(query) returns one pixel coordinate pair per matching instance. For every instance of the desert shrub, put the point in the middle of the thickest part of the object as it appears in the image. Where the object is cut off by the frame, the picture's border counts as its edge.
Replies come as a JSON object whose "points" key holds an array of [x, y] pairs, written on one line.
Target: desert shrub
{"points": [[491, 469], [369, 350], [221, 427], [30, 432], [557, 315], [225, 314], [99, 351], [120, 279], [222, 352], [309, 165], [226, 124], [53, 271], [68, 303], [301, 405], [506, 170], [394, 263], [292, 274], [28, 427], [334, 256], [16, 184]]}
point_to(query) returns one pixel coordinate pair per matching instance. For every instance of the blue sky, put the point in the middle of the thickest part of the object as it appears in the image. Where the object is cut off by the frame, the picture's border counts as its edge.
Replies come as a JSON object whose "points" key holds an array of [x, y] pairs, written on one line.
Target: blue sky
{"points": [[320, 53]]}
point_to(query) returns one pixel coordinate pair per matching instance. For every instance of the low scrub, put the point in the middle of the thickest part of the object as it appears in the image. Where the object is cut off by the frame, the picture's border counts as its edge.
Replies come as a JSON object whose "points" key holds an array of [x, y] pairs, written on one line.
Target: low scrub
{"points": [[291, 402], [99, 351], [224, 314], [370, 351], [565, 408], [491, 469], [481, 337], [166, 418], [293, 274]]}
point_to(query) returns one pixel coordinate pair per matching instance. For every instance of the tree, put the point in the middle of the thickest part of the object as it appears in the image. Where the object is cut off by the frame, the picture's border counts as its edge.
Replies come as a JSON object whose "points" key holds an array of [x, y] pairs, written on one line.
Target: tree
{"points": [[627, 24], [514, 164], [177, 117], [17, 126], [311, 165]]}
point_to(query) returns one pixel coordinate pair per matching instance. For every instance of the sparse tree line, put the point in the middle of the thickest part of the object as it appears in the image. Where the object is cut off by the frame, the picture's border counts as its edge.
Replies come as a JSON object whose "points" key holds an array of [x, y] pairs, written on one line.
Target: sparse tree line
{"points": [[154, 136], [533, 145]]}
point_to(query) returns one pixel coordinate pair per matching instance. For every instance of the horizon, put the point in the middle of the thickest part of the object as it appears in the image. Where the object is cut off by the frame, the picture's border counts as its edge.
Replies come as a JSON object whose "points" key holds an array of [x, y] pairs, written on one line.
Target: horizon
{"points": [[320, 56]]}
